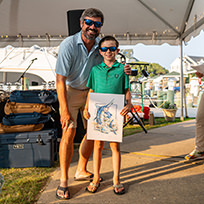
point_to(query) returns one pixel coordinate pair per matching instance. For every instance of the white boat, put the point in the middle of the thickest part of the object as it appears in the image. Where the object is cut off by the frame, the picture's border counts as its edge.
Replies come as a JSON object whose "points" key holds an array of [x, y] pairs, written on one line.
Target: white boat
{"points": [[35, 64]]}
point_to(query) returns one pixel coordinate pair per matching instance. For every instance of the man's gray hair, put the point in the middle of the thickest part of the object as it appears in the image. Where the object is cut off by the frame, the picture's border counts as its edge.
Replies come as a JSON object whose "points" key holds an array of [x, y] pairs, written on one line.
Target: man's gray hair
{"points": [[92, 12]]}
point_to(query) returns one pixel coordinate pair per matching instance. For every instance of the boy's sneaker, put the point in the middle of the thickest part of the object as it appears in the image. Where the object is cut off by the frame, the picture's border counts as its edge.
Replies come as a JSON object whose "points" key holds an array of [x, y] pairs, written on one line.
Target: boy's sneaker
{"points": [[194, 155]]}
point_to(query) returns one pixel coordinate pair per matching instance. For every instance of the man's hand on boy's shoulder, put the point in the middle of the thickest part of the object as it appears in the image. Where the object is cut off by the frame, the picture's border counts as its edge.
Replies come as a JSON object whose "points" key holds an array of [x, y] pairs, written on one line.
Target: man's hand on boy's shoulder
{"points": [[127, 69]]}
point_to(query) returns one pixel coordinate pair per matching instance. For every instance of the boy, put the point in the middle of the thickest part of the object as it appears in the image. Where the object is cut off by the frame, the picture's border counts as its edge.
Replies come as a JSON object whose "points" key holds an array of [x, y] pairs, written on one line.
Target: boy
{"points": [[108, 77]]}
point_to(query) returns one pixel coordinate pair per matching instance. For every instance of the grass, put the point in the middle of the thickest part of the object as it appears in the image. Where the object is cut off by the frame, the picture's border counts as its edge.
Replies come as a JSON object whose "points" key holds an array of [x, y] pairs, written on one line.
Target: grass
{"points": [[23, 185], [159, 122]]}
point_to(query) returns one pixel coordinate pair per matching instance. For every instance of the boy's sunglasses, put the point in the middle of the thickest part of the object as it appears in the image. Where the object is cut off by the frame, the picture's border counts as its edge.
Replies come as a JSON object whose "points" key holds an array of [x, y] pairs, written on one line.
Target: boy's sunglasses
{"points": [[105, 49], [89, 22]]}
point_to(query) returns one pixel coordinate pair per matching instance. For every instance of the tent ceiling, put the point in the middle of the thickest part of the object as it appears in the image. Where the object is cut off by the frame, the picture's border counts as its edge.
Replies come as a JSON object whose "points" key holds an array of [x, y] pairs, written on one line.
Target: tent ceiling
{"points": [[44, 22]]}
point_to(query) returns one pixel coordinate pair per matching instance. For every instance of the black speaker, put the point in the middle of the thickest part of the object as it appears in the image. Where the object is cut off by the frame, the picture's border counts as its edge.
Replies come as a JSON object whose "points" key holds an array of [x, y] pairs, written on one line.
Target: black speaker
{"points": [[73, 20]]}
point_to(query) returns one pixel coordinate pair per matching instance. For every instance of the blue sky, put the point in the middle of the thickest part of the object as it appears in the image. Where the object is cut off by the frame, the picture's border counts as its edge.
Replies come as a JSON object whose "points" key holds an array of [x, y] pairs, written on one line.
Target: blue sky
{"points": [[165, 54]]}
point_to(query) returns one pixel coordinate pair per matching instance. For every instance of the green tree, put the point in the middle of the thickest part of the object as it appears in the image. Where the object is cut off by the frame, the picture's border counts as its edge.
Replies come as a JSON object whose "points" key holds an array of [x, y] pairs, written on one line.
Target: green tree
{"points": [[158, 69], [153, 69]]}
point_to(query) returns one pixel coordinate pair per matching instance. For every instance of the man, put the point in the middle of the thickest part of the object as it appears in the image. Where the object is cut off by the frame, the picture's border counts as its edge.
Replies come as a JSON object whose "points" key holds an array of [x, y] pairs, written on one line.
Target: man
{"points": [[77, 55]]}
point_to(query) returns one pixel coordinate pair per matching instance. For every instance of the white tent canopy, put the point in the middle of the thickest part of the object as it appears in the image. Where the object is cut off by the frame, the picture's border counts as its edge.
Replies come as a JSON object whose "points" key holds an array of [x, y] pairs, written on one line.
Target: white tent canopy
{"points": [[44, 22], [15, 61]]}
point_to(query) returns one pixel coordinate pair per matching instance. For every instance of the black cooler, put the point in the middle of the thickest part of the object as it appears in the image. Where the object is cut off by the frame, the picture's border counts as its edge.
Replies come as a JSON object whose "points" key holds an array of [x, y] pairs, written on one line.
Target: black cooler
{"points": [[28, 149]]}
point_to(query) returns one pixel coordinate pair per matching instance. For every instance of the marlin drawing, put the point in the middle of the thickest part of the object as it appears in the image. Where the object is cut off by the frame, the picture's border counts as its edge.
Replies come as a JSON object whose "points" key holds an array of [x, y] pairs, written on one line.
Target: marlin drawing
{"points": [[100, 110], [104, 123]]}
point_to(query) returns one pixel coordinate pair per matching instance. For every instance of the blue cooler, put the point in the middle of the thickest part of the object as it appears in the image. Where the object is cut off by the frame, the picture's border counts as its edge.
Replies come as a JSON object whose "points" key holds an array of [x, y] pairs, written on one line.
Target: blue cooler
{"points": [[28, 149]]}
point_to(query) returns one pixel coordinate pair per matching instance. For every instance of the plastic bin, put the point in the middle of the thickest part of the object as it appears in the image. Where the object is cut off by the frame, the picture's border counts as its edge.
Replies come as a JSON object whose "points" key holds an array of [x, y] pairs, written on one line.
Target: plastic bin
{"points": [[138, 108]]}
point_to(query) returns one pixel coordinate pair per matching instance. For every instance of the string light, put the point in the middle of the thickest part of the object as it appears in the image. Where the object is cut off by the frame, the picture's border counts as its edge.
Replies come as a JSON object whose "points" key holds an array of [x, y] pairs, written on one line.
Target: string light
{"points": [[28, 36]]}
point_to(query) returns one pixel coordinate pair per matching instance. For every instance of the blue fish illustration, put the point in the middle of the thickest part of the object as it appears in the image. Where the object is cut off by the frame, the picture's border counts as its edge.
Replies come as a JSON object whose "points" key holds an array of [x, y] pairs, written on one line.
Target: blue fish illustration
{"points": [[112, 127], [100, 110]]}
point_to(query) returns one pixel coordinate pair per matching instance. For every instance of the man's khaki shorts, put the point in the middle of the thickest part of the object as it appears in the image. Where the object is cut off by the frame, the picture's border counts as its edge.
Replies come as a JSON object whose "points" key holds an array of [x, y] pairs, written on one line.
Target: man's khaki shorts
{"points": [[76, 101]]}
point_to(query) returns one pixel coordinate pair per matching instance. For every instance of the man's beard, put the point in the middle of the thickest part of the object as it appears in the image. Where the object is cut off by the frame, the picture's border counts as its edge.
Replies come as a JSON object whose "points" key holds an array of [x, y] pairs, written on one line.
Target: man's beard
{"points": [[90, 36]]}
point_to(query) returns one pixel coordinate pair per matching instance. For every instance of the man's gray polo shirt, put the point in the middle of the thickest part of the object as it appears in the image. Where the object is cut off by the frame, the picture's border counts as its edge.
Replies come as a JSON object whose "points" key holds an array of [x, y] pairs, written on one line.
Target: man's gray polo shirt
{"points": [[74, 61]]}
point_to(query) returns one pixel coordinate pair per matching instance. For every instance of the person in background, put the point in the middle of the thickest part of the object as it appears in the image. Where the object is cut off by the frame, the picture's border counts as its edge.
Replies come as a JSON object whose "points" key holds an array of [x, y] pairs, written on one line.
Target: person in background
{"points": [[198, 152]]}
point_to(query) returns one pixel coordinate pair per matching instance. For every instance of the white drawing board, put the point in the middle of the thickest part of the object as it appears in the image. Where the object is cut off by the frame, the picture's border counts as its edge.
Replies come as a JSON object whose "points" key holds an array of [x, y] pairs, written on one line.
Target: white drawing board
{"points": [[105, 122]]}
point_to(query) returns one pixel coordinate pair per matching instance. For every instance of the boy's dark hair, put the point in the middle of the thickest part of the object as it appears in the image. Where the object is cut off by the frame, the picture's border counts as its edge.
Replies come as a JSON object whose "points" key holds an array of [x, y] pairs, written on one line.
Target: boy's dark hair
{"points": [[92, 12], [108, 38]]}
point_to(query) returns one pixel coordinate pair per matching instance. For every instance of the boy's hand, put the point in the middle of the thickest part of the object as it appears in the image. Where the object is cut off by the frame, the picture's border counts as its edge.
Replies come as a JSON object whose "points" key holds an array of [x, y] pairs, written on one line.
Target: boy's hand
{"points": [[86, 114], [126, 110]]}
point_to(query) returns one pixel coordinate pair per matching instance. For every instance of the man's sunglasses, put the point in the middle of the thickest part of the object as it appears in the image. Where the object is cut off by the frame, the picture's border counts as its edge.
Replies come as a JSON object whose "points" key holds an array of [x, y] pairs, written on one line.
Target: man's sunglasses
{"points": [[105, 49], [89, 22]]}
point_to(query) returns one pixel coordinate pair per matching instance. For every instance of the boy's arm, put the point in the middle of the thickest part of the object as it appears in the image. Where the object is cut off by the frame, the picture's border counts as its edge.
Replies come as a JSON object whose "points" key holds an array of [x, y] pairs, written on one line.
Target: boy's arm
{"points": [[127, 107], [85, 112]]}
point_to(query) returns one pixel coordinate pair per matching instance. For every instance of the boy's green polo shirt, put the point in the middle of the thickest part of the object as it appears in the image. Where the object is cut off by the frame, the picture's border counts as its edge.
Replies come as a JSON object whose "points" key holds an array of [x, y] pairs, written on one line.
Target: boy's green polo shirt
{"points": [[111, 80]]}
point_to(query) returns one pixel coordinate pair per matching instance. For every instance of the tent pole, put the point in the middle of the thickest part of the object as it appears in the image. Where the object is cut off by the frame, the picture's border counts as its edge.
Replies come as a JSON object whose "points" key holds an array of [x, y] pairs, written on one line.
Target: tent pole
{"points": [[181, 78]]}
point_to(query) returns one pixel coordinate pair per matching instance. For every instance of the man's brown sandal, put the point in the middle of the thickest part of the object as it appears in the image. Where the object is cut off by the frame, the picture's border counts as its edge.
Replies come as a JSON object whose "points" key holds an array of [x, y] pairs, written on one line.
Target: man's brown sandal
{"points": [[64, 189], [86, 178]]}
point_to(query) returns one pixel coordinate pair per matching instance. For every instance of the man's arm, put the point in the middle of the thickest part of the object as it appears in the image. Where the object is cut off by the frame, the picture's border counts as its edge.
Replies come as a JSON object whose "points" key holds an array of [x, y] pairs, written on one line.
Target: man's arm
{"points": [[127, 107], [65, 116], [85, 112]]}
